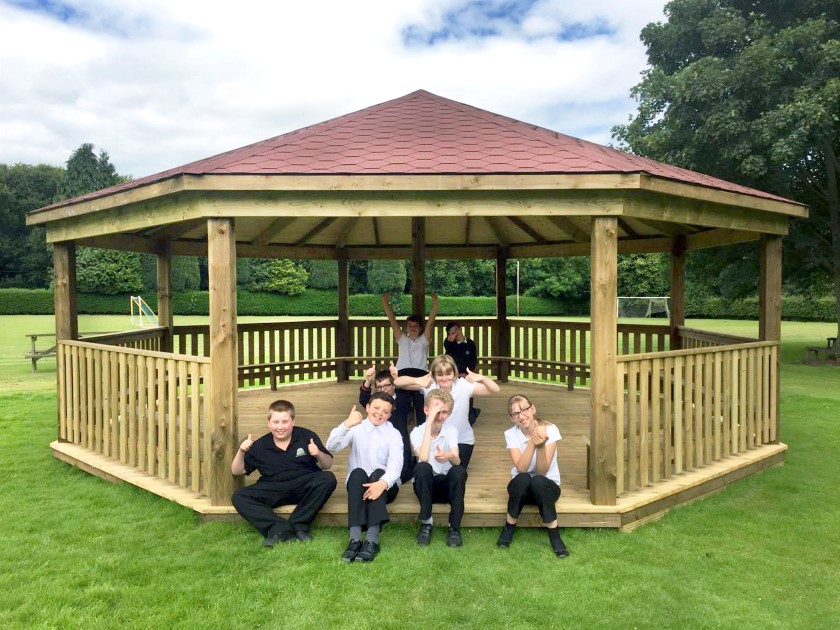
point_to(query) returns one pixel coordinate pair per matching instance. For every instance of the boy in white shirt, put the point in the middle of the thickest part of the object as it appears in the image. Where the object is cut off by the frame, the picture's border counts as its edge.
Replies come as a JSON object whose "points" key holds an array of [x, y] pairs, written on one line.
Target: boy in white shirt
{"points": [[373, 472], [438, 475]]}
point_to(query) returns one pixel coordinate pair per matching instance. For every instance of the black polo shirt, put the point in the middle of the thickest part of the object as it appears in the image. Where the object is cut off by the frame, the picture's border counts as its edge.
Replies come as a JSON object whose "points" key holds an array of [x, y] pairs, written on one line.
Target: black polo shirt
{"points": [[276, 464]]}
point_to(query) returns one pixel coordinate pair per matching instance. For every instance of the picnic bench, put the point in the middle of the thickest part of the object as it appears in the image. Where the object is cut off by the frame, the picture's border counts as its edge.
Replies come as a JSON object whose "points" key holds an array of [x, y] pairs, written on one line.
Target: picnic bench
{"points": [[34, 354], [831, 354]]}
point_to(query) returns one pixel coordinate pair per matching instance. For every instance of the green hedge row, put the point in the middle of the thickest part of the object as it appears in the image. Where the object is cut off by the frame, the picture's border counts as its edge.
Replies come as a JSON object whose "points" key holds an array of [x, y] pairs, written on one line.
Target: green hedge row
{"points": [[315, 302]]}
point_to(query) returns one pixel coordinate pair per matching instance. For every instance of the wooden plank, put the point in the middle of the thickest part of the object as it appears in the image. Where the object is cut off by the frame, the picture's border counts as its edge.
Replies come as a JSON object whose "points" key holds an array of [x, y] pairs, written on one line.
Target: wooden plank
{"points": [[196, 377], [644, 423], [632, 425], [718, 409], [142, 413], [122, 420], [620, 430], [677, 406], [656, 420], [668, 417], [160, 369], [604, 373], [151, 410], [182, 424], [131, 420], [221, 414], [164, 292]]}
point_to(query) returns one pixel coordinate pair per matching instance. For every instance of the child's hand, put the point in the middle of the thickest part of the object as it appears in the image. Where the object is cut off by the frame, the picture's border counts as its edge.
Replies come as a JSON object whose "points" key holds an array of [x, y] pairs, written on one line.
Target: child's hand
{"points": [[313, 448], [353, 419]]}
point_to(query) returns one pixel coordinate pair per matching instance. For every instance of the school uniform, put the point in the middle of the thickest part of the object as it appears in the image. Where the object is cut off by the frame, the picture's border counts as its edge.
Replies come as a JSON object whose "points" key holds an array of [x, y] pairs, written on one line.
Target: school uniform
{"points": [[461, 392], [412, 360], [286, 477], [376, 452], [529, 488], [400, 421], [439, 482]]}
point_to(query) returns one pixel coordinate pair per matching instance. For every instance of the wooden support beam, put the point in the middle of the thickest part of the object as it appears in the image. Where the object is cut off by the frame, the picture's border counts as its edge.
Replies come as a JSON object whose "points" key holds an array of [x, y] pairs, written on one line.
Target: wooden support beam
{"points": [[467, 226], [64, 293], [418, 266], [496, 225], [323, 225], [604, 333], [677, 301], [671, 230], [502, 326], [172, 231], [629, 231], [539, 238], [376, 240], [270, 233], [221, 404], [164, 293], [569, 227], [342, 341], [770, 310], [345, 230]]}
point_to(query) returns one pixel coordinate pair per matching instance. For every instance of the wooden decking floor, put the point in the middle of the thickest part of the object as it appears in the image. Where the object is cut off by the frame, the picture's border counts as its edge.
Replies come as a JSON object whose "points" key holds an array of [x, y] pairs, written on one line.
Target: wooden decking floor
{"points": [[321, 406]]}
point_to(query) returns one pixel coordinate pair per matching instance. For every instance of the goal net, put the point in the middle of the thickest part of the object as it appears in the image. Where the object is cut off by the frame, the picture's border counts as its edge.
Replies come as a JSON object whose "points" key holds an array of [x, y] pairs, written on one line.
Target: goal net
{"points": [[643, 307]]}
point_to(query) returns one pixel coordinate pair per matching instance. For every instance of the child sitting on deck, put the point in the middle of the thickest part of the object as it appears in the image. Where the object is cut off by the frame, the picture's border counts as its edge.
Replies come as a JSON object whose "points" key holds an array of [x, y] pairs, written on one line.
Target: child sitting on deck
{"points": [[293, 464], [373, 473], [532, 445], [438, 475]]}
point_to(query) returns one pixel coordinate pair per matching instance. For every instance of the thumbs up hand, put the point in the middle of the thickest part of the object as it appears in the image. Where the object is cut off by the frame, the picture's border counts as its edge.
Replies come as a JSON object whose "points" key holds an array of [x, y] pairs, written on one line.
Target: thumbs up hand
{"points": [[313, 448], [246, 444], [440, 455]]}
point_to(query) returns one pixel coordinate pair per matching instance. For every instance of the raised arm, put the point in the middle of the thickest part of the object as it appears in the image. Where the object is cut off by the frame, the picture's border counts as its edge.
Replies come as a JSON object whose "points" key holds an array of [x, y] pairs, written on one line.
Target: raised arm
{"points": [[389, 313], [430, 323], [340, 436], [413, 383], [237, 466], [482, 385]]}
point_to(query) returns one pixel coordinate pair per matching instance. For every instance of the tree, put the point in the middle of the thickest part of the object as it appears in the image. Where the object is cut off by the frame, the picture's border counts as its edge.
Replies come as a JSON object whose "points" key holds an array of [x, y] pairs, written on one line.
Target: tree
{"points": [[643, 275], [277, 275], [88, 173], [107, 271], [386, 275], [749, 91], [323, 274], [25, 257]]}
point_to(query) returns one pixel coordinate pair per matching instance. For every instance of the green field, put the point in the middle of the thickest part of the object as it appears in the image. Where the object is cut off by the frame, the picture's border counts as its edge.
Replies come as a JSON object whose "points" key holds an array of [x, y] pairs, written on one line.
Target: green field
{"points": [[76, 551]]}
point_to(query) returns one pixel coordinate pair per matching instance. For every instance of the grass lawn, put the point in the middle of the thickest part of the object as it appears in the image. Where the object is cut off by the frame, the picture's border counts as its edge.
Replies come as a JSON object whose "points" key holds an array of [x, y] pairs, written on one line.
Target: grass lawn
{"points": [[76, 551]]}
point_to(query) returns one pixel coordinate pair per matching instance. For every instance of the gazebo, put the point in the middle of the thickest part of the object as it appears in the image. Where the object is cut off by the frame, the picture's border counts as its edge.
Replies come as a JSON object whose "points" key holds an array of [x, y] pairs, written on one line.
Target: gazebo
{"points": [[672, 413]]}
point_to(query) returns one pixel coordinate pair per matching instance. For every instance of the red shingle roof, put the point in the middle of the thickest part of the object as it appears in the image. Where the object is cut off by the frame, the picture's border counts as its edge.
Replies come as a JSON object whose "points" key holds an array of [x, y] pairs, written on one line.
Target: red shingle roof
{"points": [[422, 133]]}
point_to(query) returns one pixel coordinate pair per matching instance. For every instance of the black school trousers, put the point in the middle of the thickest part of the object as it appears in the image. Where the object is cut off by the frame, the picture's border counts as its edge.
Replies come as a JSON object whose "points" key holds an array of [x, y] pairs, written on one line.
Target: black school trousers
{"points": [[538, 490], [449, 488], [365, 513], [310, 492]]}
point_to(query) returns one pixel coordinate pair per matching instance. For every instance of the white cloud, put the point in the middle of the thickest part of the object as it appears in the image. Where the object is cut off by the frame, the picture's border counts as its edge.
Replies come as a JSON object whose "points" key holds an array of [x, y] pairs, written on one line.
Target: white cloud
{"points": [[159, 83]]}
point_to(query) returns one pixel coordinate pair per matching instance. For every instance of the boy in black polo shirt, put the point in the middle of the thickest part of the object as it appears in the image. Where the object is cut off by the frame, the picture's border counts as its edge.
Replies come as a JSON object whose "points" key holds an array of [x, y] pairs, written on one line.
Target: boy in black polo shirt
{"points": [[293, 463]]}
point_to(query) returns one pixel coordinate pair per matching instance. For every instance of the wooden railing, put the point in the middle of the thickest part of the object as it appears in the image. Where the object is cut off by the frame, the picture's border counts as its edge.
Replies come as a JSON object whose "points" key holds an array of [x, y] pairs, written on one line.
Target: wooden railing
{"points": [[693, 338], [286, 352], [682, 410], [141, 407], [144, 339]]}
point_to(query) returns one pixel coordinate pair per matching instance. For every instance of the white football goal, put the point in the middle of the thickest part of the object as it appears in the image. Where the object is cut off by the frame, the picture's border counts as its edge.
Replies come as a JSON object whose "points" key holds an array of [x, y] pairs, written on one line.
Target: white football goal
{"points": [[633, 306]]}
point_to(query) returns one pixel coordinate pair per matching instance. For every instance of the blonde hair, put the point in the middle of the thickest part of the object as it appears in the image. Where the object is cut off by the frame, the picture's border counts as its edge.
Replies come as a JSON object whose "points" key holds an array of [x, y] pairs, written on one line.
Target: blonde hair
{"points": [[521, 398], [440, 364], [439, 394]]}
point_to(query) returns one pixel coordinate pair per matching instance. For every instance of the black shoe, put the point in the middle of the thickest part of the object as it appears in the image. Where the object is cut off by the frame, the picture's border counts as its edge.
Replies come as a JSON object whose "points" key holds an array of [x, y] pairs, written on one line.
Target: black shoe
{"points": [[352, 551], [303, 536], [506, 537], [559, 548], [369, 551], [278, 537], [424, 534], [453, 538]]}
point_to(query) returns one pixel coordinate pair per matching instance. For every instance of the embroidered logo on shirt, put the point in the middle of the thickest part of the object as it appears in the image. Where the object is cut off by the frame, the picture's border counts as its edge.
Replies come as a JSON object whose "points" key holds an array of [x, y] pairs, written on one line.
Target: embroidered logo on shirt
{"points": [[300, 453]]}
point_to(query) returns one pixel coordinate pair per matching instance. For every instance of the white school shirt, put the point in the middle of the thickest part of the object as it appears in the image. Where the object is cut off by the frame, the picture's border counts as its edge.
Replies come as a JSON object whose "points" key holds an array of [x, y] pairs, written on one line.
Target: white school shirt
{"points": [[514, 438], [446, 439], [462, 391], [413, 353], [371, 447]]}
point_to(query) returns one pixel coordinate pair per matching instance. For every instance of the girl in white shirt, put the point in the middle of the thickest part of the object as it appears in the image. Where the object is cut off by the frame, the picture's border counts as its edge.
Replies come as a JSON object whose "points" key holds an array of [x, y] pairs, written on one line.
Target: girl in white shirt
{"points": [[532, 445]]}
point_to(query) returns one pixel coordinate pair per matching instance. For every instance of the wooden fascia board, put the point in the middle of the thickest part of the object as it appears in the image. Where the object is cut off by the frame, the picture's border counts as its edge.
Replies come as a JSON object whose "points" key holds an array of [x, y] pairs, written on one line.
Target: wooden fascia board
{"points": [[694, 212], [718, 238], [702, 193]]}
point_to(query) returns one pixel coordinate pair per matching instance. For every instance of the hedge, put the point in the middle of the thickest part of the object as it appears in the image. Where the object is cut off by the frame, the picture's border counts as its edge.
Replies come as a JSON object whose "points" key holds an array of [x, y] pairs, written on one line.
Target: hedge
{"points": [[315, 302]]}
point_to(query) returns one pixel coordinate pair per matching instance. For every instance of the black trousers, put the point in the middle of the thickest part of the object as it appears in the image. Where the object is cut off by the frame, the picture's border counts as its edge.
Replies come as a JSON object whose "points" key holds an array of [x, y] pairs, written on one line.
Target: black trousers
{"points": [[365, 513], [408, 401], [310, 492], [537, 490], [465, 453], [449, 488]]}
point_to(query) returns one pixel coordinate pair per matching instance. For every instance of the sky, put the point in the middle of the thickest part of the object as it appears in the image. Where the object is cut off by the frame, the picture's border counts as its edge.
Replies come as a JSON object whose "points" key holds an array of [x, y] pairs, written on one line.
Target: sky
{"points": [[160, 83]]}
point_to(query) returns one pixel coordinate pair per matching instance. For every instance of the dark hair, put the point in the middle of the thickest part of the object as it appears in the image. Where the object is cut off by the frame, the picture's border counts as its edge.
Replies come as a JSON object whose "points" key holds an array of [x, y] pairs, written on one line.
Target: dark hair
{"points": [[382, 396], [280, 406], [450, 326], [382, 375], [415, 318]]}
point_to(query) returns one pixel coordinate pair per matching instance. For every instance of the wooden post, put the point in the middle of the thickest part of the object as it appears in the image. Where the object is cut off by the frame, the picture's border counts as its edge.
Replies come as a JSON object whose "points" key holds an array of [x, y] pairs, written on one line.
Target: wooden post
{"points": [[502, 326], [220, 406], [418, 266], [342, 341], [677, 305], [604, 332], [66, 311], [770, 307], [164, 293]]}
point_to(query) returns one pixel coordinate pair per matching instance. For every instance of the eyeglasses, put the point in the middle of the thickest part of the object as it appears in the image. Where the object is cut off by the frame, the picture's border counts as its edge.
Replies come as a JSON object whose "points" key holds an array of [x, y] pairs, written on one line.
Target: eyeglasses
{"points": [[386, 385], [517, 414]]}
